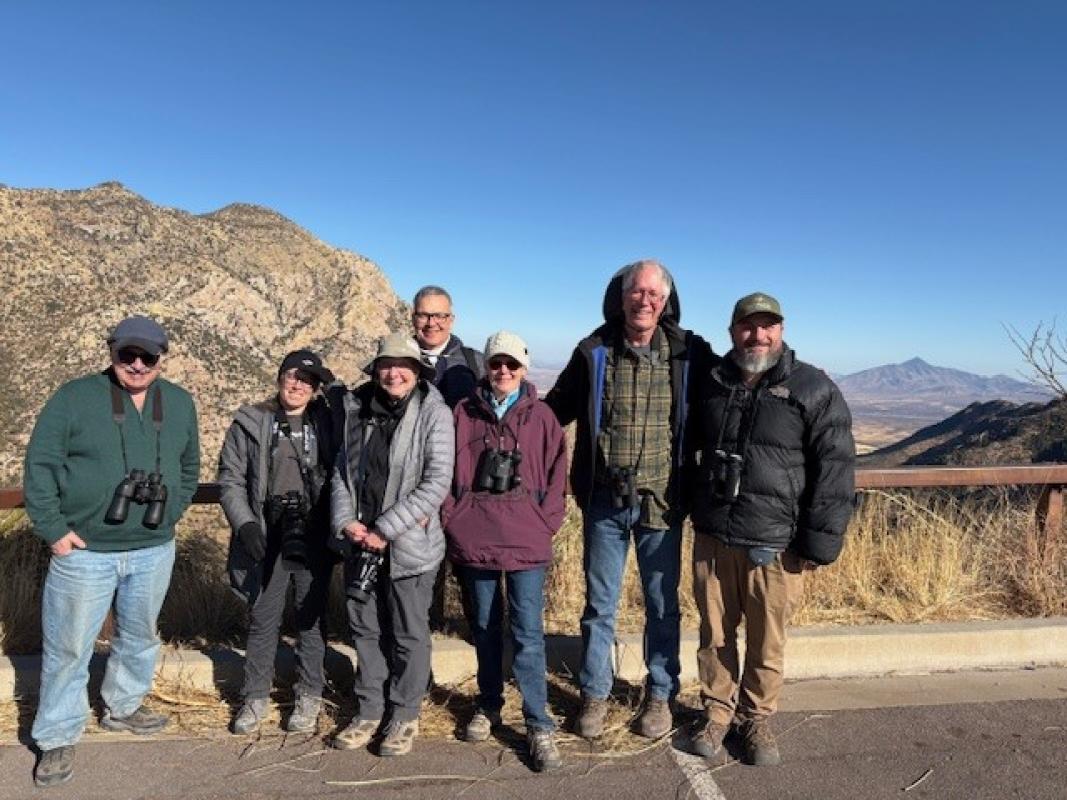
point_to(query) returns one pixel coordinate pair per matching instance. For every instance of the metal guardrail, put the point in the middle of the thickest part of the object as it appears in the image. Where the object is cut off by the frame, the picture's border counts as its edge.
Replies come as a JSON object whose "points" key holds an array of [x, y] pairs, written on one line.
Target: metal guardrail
{"points": [[1051, 477]]}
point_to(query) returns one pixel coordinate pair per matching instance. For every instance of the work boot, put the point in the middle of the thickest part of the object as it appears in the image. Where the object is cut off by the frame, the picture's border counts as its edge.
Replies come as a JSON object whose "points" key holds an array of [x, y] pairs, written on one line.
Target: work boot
{"points": [[655, 718], [481, 725], [250, 716], [543, 751], [761, 749], [707, 740], [590, 722], [305, 716], [358, 734], [399, 737], [142, 722], [55, 767]]}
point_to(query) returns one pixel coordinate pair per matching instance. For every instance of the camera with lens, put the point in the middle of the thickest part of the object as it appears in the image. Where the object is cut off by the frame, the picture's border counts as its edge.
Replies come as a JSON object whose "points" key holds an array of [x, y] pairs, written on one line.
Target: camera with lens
{"points": [[365, 567], [623, 483], [498, 471], [726, 475], [287, 514], [144, 490]]}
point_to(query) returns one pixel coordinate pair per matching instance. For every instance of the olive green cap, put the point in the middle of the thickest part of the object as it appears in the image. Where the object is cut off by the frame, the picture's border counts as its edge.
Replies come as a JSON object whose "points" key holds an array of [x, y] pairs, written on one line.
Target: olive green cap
{"points": [[756, 303]]}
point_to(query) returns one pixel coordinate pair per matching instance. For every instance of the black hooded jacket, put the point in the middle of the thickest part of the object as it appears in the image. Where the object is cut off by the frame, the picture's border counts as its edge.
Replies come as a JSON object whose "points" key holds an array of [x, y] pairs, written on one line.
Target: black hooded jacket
{"points": [[793, 431], [579, 390]]}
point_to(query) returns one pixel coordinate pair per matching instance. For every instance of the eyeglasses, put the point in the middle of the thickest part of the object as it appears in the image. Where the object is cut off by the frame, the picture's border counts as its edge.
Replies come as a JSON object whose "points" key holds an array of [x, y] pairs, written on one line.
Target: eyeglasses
{"points": [[299, 376], [651, 295], [497, 364], [127, 355], [436, 316]]}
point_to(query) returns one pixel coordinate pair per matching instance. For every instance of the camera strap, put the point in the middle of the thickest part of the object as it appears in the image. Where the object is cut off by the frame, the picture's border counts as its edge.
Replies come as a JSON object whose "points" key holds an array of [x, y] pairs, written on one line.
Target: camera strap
{"points": [[118, 414]]}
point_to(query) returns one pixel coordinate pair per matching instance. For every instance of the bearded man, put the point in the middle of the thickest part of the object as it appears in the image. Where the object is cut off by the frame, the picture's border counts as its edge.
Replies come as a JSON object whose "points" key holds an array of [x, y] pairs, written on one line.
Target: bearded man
{"points": [[772, 457]]}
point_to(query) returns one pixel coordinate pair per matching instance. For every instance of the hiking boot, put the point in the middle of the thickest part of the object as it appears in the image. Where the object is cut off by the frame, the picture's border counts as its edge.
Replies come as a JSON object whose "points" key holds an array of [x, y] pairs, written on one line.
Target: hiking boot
{"points": [[543, 751], [655, 719], [707, 740], [399, 737], [481, 725], [55, 767], [358, 734], [305, 716], [142, 722], [590, 722], [761, 749], [250, 716]]}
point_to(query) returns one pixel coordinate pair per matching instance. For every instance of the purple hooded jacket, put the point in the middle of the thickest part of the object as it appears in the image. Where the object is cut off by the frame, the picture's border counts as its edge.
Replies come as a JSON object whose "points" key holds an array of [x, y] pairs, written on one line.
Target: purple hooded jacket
{"points": [[512, 530]]}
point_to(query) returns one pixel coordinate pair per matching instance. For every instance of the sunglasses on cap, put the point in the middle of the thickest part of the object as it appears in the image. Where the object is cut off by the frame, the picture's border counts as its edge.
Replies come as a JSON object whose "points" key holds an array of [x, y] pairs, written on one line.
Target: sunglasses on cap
{"points": [[497, 363], [127, 355]]}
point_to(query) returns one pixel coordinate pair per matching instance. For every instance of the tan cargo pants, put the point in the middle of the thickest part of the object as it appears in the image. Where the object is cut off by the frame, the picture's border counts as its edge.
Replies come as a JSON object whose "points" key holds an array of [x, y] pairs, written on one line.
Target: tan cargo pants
{"points": [[729, 587]]}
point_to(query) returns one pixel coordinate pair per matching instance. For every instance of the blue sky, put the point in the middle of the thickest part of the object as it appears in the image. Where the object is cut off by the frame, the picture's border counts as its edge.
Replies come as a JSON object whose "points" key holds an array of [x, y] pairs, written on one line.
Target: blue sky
{"points": [[895, 172]]}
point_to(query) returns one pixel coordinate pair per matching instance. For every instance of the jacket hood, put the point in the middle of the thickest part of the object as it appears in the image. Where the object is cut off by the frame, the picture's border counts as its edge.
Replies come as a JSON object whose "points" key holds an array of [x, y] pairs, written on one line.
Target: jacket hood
{"points": [[612, 307]]}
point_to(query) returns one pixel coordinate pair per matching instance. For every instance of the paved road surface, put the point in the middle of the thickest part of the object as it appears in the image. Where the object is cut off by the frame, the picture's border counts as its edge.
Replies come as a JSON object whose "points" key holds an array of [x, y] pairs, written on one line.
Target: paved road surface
{"points": [[835, 746]]}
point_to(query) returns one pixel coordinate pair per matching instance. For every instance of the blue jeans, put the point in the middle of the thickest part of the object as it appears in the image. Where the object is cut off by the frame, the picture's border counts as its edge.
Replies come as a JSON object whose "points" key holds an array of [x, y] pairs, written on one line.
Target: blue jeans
{"points": [[78, 592], [526, 592], [659, 552]]}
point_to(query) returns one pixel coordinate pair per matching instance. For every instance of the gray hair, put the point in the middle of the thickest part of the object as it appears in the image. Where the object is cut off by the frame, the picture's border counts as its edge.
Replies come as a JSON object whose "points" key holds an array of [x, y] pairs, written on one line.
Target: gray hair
{"points": [[430, 291], [630, 271]]}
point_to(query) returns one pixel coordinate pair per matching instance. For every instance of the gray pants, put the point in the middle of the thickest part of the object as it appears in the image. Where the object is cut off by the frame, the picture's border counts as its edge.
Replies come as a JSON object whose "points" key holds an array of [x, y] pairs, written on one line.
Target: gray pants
{"points": [[391, 634], [311, 584]]}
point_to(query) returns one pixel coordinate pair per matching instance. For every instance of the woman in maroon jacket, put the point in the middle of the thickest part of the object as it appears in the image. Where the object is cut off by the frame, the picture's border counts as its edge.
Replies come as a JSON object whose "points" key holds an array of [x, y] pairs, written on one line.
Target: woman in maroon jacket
{"points": [[505, 506]]}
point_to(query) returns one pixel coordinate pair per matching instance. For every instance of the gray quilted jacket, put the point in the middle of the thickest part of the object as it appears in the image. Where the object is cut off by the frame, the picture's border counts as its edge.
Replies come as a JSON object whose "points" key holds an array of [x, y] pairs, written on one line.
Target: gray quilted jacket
{"points": [[421, 457]]}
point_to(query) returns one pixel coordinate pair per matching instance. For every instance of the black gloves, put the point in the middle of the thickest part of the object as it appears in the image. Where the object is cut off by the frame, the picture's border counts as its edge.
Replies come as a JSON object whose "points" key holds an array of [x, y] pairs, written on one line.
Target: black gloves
{"points": [[253, 539]]}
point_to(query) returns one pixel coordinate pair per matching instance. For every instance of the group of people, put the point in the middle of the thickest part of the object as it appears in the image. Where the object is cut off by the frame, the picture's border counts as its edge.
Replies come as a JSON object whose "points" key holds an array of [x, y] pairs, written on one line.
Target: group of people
{"points": [[447, 452]]}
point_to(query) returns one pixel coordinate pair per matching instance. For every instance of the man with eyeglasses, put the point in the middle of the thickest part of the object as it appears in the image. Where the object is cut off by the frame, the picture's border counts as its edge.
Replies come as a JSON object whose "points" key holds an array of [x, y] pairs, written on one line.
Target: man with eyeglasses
{"points": [[457, 368], [627, 386], [112, 465]]}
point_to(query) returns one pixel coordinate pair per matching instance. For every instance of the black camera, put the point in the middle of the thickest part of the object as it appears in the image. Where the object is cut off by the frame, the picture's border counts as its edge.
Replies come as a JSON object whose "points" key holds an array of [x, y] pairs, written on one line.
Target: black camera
{"points": [[287, 515], [623, 483], [364, 568], [498, 471], [142, 489], [726, 475]]}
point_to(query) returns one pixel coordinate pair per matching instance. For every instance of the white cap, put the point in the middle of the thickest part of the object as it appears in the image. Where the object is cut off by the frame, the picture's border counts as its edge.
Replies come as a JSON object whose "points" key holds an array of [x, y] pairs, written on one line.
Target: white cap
{"points": [[506, 343]]}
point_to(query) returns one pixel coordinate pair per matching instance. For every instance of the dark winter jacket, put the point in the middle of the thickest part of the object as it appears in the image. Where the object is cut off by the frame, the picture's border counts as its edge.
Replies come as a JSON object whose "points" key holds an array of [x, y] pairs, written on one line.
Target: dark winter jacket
{"points": [[579, 390], [244, 463], [421, 454], [459, 368], [794, 433], [512, 530]]}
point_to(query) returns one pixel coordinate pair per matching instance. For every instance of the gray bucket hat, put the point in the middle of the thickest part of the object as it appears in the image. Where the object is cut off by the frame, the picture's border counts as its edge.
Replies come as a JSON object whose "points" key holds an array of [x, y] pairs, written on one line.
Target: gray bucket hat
{"points": [[400, 345]]}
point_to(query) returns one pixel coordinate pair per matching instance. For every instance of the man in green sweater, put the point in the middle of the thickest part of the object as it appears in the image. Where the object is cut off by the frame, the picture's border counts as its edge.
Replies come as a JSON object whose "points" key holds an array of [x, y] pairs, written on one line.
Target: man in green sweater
{"points": [[111, 466]]}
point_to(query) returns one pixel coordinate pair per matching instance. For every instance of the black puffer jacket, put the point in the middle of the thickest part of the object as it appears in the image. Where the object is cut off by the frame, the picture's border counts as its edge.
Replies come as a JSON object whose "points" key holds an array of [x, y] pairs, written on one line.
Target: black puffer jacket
{"points": [[797, 480]]}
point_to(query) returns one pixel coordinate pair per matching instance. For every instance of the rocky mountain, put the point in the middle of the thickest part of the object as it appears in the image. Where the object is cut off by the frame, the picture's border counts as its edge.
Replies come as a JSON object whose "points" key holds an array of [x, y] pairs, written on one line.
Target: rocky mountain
{"points": [[235, 288], [994, 432]]}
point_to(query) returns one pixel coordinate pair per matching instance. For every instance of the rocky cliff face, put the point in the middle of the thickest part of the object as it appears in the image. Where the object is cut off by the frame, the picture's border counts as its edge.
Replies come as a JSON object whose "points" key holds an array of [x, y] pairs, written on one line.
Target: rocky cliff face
{"points": [[235, 289]]}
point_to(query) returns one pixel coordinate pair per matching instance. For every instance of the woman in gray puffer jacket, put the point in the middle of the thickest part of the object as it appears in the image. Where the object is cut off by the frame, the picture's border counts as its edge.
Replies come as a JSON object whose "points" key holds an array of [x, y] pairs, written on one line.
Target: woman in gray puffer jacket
{"points": [[272, 473], [393, 471]]}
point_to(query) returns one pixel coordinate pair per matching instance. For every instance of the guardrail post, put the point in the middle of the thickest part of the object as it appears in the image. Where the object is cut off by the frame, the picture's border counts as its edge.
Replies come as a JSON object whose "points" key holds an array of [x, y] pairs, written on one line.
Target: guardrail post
{"points": [[1050, 513]]}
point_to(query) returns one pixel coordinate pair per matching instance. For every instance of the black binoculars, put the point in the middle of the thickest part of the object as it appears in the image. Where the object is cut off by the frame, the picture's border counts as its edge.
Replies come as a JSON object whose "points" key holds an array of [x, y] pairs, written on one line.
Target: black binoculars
{"points": [[142, 489], [726, 475], [498, 471]]}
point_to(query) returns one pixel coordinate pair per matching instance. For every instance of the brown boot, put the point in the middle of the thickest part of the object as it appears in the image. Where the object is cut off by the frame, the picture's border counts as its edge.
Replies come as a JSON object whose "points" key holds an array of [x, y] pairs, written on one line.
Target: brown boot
{"points": [[591, 718], [761, 749], [655, 719]]}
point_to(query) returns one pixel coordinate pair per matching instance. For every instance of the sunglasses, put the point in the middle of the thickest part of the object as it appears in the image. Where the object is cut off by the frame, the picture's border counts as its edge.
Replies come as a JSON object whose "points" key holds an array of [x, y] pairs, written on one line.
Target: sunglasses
{"points": [[127, 355], [495, 364]]}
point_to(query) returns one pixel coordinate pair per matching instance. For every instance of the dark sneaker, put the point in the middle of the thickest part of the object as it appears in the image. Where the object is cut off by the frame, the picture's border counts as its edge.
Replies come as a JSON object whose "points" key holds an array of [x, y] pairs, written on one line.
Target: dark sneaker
{"points": [[142, 722], [590, 722], [55, 767], [481, 725], [305, 716], [543, 751], [399, 737], [655, 719], [761, 749], [358, 734], [707, 740], [250, 716]]}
